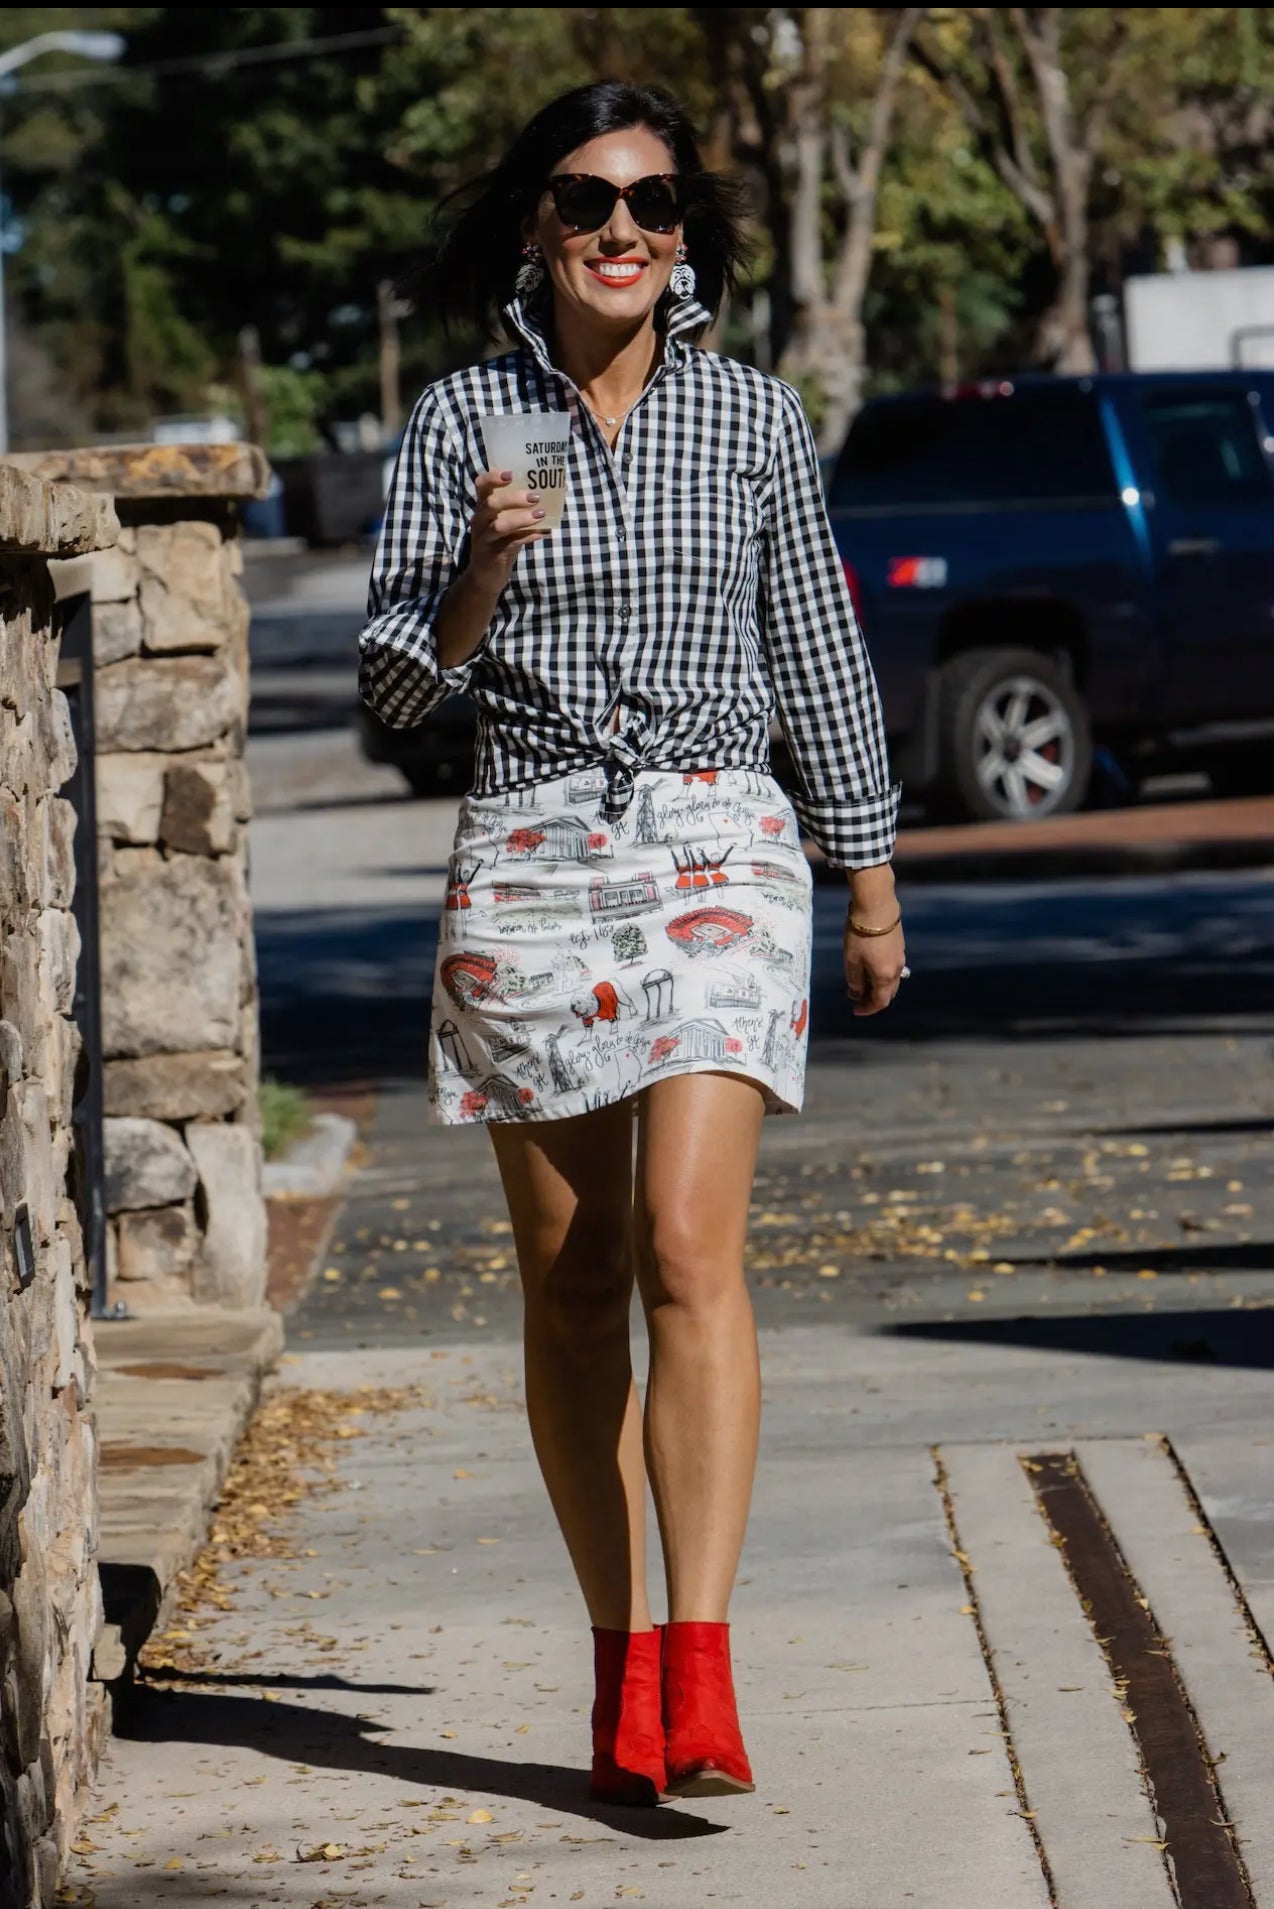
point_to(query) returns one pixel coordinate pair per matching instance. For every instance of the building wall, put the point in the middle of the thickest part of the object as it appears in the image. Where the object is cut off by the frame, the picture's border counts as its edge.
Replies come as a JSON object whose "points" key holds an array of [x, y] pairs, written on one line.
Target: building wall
{"points": [[51, 1716]]}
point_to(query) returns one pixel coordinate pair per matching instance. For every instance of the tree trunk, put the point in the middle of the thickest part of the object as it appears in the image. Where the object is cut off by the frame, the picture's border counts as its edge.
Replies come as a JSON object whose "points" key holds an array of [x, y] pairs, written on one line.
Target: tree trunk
{"points": [[1063, 339], [828, 344], [996, 112]]}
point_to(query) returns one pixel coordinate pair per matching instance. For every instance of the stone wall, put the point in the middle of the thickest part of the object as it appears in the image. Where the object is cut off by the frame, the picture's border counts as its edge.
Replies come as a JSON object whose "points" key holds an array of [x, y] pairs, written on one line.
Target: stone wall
{"points": [[51, 1718], [179, 997]]}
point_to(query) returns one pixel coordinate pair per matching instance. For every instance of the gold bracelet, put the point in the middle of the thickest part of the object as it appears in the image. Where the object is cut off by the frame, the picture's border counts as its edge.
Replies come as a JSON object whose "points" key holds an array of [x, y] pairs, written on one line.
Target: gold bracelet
{"points": [[869, 934]]}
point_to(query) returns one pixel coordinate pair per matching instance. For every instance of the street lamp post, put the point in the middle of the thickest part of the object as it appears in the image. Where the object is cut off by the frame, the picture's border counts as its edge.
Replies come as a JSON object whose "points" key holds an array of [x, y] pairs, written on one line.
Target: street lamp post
{"points": [[89, 46]]}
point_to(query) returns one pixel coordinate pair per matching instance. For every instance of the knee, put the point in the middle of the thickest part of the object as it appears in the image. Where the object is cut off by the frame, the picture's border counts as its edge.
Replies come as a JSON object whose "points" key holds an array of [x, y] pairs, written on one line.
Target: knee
{"points": [[682, 1267], [583, 1290]]}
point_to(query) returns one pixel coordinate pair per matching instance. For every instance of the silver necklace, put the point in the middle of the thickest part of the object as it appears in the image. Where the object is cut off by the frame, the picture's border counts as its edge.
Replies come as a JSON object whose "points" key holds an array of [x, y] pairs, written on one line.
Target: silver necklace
{"points": [[619, 415]]}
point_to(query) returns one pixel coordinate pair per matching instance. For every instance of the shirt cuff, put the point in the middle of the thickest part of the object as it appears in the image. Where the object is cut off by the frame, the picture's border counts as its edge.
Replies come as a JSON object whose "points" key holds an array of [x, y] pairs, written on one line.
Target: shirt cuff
{"points": [[852, 831], [402, 680]]}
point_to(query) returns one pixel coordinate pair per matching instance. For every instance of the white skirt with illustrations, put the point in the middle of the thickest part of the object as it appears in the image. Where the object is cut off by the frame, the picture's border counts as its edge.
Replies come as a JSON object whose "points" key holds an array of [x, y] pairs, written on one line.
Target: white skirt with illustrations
{"points": [[582, 959]]}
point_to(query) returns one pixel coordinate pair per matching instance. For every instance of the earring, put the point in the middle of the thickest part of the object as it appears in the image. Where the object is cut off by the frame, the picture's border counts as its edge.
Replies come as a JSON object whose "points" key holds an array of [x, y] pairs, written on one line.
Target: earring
{"points": [[682, 282], [531, 274]]}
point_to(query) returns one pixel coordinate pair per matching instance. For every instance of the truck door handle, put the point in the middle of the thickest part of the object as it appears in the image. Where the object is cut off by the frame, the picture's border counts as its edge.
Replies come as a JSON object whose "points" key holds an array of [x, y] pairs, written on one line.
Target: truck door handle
{"points": [[1194, 546]]}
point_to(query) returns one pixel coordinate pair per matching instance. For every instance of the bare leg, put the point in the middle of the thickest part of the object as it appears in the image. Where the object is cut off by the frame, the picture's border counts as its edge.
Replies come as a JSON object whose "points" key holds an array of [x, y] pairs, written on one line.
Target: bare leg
{"points": [[696, 1154], [569, 1188]]}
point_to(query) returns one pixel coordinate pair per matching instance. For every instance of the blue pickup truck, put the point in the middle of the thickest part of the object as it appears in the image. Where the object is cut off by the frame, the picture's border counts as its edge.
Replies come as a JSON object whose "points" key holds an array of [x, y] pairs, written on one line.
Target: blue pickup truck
{"points": [[1043, 567], [1043, 564]]}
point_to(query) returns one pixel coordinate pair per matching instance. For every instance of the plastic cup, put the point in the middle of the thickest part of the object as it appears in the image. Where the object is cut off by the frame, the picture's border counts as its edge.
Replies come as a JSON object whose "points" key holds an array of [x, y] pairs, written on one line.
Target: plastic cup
{"points": [[536, 447]]}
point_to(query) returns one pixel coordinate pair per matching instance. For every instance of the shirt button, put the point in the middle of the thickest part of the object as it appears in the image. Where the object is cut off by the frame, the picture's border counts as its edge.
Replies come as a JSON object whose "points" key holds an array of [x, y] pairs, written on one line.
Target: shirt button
{"points": [[625, 612]]}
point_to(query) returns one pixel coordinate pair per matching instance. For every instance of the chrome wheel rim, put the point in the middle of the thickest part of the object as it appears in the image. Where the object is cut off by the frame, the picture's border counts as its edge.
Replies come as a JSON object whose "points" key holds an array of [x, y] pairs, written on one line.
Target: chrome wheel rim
{"points": [[1023, 748]]}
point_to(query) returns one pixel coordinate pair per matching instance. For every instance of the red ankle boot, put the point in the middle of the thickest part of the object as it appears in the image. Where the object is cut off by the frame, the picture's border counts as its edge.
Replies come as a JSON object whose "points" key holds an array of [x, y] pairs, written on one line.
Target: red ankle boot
{"points": [[703, 1745], [628, 1731]]}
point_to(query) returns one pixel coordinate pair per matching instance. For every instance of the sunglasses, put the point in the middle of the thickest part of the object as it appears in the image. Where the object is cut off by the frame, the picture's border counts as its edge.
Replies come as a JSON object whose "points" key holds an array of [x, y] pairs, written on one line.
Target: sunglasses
{"points": [[585, 202]]}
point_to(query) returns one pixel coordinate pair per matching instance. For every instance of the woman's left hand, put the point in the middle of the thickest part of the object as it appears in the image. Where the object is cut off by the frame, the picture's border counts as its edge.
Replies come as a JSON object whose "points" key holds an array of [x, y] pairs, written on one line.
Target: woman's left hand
{"points": [[873, 963]]}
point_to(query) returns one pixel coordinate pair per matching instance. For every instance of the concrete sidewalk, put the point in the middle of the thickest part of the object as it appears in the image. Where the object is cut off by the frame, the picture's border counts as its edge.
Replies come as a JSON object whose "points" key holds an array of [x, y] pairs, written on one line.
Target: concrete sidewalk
{"points": [[395, 1711]]}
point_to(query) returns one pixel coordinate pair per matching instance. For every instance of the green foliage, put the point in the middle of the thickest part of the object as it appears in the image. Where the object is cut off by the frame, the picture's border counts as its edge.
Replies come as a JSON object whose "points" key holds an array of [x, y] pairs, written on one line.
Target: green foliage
{"points": [[294, 403], [285, 1116], [152, 216]]}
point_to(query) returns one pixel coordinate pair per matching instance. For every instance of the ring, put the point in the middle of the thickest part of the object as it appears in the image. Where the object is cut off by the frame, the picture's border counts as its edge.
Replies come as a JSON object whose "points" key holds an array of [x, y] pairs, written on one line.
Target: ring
{"points": [[905, 975]]}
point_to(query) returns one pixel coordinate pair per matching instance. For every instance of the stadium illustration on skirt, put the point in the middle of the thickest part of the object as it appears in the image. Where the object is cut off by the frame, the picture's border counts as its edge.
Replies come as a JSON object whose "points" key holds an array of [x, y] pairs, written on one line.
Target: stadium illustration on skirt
{"points": [[580, 959]]}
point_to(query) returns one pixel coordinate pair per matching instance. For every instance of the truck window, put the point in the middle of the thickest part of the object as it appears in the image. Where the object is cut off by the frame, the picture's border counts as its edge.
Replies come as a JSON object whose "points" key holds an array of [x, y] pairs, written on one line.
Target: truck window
{"points": [[1034, 447], [1206, 448]]}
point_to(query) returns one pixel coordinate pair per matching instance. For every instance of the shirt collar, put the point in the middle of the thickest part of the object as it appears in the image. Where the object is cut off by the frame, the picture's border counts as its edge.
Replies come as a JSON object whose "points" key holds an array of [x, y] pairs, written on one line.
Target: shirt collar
{"points": [[526, 317]]}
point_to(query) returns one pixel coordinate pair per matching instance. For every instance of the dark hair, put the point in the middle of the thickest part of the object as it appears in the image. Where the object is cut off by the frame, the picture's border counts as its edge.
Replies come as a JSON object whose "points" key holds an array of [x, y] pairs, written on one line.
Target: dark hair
{"points": [[467, 278]]}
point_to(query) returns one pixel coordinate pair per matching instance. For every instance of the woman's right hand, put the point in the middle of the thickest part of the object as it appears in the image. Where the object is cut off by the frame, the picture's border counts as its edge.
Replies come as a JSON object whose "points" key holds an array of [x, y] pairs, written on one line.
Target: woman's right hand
{"points": [[502, 524]]}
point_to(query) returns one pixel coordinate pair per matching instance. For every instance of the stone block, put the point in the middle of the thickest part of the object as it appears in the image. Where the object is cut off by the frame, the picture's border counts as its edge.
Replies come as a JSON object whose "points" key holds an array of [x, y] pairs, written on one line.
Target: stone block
{"points": [[198, 814], [130, 795], [57, 850], [231, 1266], [15, 863], [20, 993], [172, 702], [170, 955], [55, 742], [117, 574], [11, 1068], [201, 1086], [240, 786], [185, 600], [66, 1316], [157, 1244], [117, 631], [42, 518], [43, 1179], [59, 937], [13, 1154], [62, 1047], [147, 1164]]}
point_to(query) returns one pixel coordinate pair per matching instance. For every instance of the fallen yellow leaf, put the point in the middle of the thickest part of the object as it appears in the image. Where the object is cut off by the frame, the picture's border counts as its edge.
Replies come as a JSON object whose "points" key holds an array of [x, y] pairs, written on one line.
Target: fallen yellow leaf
{"points": [[480, 1816]]}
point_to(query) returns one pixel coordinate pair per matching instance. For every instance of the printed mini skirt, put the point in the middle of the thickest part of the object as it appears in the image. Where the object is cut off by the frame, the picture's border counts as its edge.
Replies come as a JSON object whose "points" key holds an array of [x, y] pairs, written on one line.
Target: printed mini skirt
{"points": [[581, 958]]}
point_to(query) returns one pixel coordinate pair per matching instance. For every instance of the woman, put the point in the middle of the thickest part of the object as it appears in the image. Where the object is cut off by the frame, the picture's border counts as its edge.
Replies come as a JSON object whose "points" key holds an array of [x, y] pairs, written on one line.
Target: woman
{"points": [[626, 940]]}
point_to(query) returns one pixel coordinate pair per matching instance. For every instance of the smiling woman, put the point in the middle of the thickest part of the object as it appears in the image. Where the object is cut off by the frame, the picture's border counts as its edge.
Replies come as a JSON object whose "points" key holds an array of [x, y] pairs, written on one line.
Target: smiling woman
{"points": [[594, 982]]}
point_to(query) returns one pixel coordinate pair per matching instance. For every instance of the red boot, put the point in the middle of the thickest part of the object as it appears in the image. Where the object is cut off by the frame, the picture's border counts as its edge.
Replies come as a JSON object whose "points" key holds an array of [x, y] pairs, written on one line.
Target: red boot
{"points": [[704, 1747], [628, 1731]]}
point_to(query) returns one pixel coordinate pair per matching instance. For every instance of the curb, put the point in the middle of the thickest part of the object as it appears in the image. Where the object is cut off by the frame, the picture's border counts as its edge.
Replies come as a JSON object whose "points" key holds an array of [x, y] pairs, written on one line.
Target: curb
{"points": [[174, 1393], [314, 1166]]}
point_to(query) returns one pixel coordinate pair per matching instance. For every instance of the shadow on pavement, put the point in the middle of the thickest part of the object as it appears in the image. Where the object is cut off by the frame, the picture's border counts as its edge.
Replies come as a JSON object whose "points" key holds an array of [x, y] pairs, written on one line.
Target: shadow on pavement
{"points": [[285, 1680], [1247, 1256], [345, 993], [331, 1740], [1233, 1338]]}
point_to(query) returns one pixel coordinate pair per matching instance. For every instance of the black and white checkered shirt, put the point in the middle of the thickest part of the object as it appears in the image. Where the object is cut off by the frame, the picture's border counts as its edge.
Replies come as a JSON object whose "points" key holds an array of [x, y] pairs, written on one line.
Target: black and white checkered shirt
{"points": [[694, 586]]}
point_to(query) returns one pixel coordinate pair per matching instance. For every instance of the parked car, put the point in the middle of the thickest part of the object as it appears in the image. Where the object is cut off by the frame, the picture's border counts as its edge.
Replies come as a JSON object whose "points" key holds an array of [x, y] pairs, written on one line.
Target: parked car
{"points": [[1043, 566], [1045, 563]]}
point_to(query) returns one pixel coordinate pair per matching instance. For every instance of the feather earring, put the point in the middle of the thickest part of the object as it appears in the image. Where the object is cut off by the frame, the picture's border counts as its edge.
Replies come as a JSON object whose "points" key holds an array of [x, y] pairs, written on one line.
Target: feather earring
{"points": [[531, 273]]}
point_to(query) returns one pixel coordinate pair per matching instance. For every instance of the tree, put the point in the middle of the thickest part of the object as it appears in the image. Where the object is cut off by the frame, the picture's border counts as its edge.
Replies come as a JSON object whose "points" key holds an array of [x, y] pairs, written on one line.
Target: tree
{"points": [[814, 93], [1092, 116]]}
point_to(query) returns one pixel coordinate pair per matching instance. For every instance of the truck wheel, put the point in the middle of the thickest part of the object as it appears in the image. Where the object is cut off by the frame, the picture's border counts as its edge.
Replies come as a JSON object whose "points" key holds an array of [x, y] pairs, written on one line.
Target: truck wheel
{"points": [[1014, 737]]}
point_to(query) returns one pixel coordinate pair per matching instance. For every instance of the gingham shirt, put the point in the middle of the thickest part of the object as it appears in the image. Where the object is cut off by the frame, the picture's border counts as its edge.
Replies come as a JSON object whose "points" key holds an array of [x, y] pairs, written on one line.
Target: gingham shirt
{"points": [[693, 587]]}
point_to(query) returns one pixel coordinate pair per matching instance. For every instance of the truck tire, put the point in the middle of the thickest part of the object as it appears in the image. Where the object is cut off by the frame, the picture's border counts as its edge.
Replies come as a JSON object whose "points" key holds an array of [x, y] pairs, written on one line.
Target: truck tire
{"points": [[1014, 737]]}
